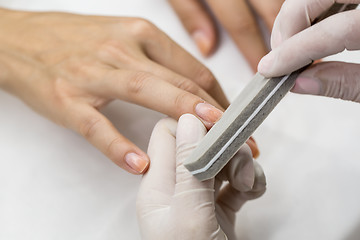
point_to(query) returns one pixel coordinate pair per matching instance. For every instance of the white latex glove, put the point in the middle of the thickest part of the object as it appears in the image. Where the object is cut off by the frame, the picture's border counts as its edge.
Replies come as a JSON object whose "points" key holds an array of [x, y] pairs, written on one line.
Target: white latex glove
{"points": [[296, 43], [172, 204]]}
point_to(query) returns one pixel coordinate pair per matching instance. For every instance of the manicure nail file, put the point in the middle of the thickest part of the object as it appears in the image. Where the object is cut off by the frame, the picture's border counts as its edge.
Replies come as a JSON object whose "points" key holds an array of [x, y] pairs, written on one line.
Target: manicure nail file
{"points": [[243, 117]]}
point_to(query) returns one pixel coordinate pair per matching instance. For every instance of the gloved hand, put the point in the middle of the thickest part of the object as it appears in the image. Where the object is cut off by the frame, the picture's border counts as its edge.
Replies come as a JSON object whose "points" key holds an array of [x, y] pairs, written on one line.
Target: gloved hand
{"points": [[172, 204], [237, 17], [296, 43]]}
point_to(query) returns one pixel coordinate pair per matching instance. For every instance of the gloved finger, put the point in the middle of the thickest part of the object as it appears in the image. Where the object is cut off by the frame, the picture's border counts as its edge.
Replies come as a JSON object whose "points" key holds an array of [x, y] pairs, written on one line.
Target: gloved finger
{"points": [[302, 14], [259, 186], [268, 10], [325, 38], [150, 91], [240, 171], [238, 20], [331, 79], [231, 199], [158, 183], [192, 197], [100, 132], [198, 22], [240, 166], [190, 132]]}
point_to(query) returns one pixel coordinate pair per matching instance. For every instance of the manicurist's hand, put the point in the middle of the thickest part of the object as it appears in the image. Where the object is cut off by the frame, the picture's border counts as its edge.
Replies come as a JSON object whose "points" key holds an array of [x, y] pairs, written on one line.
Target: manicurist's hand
{"points": [[68, 66], [237, 17], [173, 204], [296, 43]]}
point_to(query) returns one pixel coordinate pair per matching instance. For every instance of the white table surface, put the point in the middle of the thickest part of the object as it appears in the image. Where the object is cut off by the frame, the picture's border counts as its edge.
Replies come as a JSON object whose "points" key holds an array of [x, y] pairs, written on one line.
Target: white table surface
{"points": [[54, 185]]}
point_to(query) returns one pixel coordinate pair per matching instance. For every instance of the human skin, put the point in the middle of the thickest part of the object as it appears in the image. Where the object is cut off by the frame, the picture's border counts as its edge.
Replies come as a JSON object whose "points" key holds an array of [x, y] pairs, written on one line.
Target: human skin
{"points": [[236, 16], [67, 67]]}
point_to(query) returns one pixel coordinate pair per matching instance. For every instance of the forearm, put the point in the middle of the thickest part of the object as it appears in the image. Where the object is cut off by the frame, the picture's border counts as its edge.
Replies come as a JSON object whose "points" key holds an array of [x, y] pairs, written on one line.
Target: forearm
{"points": [[13, 64], [10, 68]]}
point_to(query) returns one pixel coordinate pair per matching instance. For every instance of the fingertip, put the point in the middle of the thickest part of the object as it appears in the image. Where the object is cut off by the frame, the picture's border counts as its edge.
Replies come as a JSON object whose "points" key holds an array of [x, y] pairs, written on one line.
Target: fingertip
{"points": [[198, 22], [189, 130], [254, 147], [265, 65], [205, 41]]}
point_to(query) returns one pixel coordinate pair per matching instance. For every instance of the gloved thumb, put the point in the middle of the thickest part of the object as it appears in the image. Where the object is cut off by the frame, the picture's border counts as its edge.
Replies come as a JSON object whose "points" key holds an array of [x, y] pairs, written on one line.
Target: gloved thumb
{"points": [[189, 133], [331, 79]]}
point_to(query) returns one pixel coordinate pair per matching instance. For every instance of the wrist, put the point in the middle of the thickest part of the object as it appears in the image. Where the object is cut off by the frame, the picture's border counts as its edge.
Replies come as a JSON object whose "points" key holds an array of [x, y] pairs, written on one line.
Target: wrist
{"points": [[8, 55], [5, 69]]}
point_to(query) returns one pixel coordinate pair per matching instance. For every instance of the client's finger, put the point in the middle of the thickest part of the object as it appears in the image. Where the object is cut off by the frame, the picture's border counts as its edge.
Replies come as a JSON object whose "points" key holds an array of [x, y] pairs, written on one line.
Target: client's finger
{"points": [[198, 22], [150, 91], [100, 132], [238, 20]]}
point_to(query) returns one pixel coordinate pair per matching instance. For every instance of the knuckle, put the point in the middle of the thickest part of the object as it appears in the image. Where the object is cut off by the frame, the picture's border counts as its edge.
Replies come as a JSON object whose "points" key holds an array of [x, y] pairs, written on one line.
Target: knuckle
{"points": [[244, 26], [111, 49], [344, 88], [188, 86], [89, 127], [206, 79], [112, 149], [181, 102], [142, 28], [79, 69], [138, 82]]}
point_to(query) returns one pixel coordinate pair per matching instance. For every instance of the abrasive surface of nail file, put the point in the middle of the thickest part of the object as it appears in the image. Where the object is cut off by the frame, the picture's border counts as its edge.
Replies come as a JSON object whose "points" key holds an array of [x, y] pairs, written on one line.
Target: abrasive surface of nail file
{"points": [[243, 116], [237, 124]]}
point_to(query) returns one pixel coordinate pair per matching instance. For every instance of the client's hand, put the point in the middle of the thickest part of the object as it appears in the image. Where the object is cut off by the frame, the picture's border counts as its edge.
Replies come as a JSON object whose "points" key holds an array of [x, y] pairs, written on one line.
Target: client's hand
{"points": [[68, 66], [172, 204]]}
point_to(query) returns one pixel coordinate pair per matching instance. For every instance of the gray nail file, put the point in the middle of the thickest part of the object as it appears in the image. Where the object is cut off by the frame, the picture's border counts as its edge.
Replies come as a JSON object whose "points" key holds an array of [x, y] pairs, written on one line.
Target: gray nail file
{"points": [[243, 117], [237, 124]]}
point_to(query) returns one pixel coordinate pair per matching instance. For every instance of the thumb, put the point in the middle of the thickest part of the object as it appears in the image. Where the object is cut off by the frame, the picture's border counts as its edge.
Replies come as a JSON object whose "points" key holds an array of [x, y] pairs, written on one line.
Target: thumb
{"points": [[331, 79], [189, 133], [191, 196]]}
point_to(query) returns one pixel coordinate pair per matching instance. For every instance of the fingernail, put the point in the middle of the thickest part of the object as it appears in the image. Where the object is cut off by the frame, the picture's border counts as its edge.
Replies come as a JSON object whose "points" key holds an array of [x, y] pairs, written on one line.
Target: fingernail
{"points": [[306, 85], [208, 113], [266, 63], [254, 147], [136, 162], [203, 41]]}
